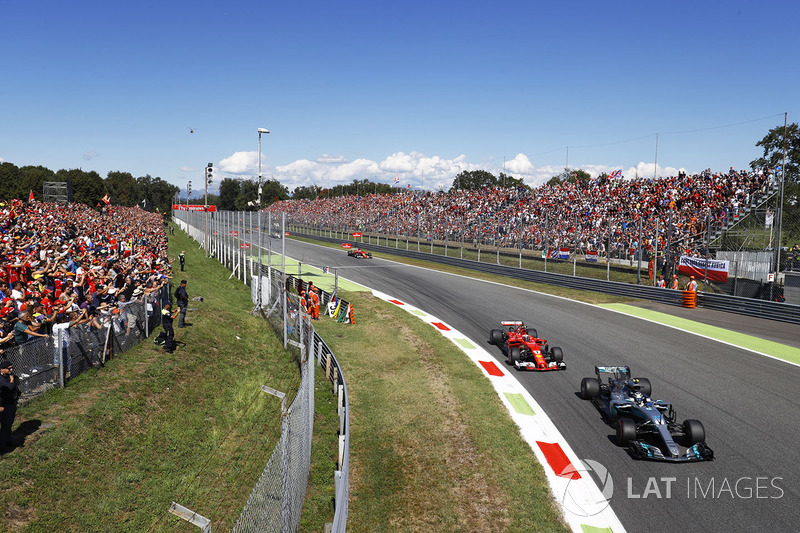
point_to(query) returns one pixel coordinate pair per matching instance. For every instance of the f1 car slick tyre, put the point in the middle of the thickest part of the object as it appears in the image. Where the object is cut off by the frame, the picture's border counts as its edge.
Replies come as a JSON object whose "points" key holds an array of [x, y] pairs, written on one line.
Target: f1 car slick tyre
{"points": [[626, 430], [644, 386], [590, 388], [556, 355], [496, 337], [694, 431], [514, 355]]}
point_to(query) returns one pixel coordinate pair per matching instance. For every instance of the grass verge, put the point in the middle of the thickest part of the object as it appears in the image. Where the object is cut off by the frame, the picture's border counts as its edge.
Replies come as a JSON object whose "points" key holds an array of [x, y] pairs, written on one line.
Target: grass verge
{"points": [[432, 446], [113, 449]]}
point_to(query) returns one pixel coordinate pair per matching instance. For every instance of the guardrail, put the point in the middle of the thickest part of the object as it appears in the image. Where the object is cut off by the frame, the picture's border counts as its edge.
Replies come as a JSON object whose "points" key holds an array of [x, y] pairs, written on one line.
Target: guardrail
{"points": [[782, 311], [333, 371]]}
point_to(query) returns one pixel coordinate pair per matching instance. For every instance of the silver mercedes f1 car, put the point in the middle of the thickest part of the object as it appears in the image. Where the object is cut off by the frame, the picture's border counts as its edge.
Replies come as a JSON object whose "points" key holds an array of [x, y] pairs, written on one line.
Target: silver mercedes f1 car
{"points": [[647, 427]]}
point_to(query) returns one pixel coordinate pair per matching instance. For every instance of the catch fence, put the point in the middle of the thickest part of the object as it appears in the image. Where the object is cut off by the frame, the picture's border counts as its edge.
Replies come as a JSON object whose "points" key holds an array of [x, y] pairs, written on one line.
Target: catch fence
{"points": [[276, 501]]}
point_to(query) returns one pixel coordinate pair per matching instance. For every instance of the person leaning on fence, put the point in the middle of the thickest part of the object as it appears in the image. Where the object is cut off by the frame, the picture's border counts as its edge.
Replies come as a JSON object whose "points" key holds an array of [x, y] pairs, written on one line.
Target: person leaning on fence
{"points": [[24, 330], [9, 396], [661, 283], [64, 321], [692, 285]]}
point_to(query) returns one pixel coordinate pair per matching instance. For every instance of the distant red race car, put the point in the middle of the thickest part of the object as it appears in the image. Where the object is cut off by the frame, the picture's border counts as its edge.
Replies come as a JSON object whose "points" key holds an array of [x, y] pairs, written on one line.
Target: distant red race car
{"points": [[524, 349], [358, 253]]}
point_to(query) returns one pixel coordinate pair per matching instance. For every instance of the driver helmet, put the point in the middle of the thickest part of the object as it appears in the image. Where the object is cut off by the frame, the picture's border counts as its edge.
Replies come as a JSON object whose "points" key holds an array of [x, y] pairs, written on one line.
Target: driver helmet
{"points": [[638, 397]]}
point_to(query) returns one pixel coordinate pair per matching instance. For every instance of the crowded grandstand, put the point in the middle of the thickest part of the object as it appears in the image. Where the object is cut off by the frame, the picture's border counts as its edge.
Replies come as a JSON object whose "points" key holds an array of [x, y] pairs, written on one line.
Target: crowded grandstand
{"points": [[587, 215]]}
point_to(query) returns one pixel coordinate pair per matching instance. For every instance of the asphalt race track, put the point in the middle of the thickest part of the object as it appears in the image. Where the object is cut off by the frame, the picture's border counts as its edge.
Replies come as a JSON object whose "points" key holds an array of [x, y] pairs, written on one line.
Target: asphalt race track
{"points": [[749, 404]]}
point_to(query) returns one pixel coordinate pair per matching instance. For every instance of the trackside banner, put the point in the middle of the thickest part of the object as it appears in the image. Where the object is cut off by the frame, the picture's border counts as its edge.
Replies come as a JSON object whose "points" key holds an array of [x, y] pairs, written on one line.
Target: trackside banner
{"points": [[696, 266], [190, 207]]}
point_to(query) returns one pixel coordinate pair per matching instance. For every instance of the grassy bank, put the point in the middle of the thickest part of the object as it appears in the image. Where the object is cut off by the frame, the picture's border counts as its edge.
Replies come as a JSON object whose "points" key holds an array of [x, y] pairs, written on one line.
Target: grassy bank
{"points": [[432, 447], [113, 449]]}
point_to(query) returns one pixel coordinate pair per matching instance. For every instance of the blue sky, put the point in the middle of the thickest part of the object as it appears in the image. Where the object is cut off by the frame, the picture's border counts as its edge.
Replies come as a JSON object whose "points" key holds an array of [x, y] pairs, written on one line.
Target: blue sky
{"points": [[373, 90]]}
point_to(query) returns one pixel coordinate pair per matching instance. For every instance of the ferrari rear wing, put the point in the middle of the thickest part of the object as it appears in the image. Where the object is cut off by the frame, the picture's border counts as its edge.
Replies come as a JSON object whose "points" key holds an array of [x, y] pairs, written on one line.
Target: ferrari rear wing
{"points": [[512, 323]]}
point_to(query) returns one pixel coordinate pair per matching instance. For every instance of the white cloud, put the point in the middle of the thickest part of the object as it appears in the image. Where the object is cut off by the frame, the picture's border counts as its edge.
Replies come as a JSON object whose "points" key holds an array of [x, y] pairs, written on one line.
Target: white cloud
{"points": [[412, 168], [520, 165], [240, 163], [89, 154], [331, 159], [187, 169]]}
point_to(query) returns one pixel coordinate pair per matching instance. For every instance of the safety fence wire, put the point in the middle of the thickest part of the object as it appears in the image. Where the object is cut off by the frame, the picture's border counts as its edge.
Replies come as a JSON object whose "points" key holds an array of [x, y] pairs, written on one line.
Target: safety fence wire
{"points": [[276, 501]]}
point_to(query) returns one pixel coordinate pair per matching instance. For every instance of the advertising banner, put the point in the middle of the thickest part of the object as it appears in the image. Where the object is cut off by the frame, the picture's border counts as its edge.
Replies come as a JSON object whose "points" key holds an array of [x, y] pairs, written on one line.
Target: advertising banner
{"points": [[696, 266]]}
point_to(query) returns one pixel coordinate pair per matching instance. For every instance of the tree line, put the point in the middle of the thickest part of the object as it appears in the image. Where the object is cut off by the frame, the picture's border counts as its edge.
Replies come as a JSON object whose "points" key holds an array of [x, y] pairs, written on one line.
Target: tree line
{"points": [[88, 187]]}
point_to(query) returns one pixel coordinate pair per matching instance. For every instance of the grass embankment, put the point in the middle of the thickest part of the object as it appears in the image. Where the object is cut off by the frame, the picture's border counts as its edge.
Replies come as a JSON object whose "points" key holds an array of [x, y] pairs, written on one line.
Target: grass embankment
{"points": [[113, 449], [432, 447]]}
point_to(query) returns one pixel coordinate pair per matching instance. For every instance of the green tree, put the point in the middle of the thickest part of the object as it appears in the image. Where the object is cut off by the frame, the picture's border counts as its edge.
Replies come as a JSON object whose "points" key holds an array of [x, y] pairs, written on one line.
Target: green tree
{"points": [[228, 191], [247, 199], [32, 178], [9, 177], [87, 187], [122, 188], [570, 175], [309, 193], [773, 145], [509, 182], [474, 179], [160, 194], [273, 191]]}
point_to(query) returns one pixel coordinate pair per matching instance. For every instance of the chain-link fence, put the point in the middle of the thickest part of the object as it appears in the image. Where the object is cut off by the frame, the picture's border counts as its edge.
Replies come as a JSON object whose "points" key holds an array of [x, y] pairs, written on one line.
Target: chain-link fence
{"points": [[276, 501], [45, 363]]}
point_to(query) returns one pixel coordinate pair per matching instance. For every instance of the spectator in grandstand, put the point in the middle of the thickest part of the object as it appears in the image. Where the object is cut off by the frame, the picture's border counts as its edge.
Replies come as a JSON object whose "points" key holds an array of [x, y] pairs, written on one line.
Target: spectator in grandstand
{"points": [[24, 330], [64, 321]]}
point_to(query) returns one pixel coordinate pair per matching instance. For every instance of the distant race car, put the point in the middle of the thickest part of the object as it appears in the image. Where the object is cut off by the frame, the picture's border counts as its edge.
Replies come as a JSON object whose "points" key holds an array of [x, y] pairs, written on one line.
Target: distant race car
{"points": [[524, 349], [359, 254], [647, 427]]}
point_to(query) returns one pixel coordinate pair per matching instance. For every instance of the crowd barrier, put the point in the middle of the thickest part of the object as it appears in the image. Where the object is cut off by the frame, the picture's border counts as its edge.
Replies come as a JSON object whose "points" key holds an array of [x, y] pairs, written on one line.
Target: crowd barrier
{"points": [[44, 363]]}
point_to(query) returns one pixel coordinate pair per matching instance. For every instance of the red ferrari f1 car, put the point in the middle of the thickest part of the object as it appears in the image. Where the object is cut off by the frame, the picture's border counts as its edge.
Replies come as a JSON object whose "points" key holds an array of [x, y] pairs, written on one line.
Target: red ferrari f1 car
{"points": [[358, 253], [524, 349]]}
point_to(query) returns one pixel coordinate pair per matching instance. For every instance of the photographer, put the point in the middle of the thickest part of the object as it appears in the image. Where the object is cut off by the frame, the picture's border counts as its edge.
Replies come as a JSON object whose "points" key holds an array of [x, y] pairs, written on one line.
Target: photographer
{"points": [[9, 395]]}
